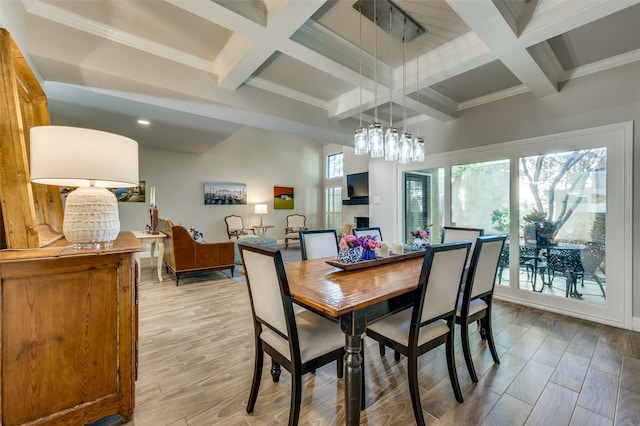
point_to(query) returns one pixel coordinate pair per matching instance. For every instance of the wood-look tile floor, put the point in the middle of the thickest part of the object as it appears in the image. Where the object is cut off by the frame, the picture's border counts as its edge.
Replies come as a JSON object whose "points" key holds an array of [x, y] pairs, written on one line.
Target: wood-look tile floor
{"points": [[196, 365]]}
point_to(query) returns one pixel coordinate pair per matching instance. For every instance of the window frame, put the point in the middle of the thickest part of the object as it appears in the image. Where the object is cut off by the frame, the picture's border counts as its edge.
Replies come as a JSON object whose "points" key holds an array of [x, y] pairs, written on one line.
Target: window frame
{"points": [[618, 139]]}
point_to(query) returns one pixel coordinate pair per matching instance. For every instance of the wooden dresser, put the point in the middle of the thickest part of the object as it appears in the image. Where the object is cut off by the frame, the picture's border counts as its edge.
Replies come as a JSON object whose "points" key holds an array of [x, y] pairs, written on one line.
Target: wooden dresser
{"points": [[69, 333]]}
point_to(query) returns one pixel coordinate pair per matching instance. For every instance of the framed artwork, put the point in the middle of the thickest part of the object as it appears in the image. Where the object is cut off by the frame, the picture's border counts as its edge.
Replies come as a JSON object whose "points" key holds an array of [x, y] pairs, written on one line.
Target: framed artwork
{"points": [[282, 197], [225, 193], [137, 194]]}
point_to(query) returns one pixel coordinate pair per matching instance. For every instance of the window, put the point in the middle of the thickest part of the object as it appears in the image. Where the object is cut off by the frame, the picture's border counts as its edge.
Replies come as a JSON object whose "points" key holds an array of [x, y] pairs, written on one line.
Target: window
{"points": [[563, 208], [335, 167], [333, 207], [480, 196]]}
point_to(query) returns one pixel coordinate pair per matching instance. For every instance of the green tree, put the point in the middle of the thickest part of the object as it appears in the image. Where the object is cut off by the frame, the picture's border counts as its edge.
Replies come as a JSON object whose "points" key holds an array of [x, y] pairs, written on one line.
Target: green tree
{"points": [[500, 220], [570, 172]]}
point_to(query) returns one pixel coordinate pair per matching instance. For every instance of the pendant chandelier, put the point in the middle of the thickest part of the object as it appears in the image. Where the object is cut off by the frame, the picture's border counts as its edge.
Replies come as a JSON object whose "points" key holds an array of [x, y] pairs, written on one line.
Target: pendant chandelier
{"points": [[361, 135], [375, 141], [391, 148], [418, 143]]}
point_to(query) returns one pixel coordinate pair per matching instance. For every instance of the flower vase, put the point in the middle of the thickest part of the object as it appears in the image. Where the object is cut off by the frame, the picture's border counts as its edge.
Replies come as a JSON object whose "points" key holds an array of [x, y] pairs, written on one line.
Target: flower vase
{"points": [[422, 243], [349, 255], [368, 254]]}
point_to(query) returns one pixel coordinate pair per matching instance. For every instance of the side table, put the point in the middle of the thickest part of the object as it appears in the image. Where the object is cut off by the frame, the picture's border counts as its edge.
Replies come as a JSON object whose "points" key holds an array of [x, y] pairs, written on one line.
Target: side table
{"points": [[152, 240]]}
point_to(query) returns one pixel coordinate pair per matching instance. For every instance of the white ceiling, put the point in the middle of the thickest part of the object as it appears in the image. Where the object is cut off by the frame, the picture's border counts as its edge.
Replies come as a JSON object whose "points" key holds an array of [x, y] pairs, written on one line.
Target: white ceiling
{"points": [[200, 70]]}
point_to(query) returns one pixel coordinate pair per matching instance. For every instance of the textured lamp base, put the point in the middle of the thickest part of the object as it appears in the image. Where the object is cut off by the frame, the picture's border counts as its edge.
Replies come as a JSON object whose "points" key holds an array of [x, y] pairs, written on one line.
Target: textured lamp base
{"points": [[91, 217]]}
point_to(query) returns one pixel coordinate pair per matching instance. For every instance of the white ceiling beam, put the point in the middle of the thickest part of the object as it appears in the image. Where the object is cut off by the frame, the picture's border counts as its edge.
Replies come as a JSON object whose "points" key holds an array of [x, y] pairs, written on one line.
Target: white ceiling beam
{"points": [[484, 18], [246, 52]]}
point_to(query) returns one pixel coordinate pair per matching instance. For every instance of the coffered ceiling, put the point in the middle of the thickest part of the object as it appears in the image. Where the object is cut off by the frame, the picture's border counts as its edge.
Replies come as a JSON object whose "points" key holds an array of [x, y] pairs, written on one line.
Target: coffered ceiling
{"points": [[200, 70]]}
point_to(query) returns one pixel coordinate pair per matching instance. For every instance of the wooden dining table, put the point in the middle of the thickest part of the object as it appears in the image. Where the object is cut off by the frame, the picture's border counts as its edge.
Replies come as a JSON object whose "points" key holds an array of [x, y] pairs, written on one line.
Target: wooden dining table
{"points": [[354, 298]]}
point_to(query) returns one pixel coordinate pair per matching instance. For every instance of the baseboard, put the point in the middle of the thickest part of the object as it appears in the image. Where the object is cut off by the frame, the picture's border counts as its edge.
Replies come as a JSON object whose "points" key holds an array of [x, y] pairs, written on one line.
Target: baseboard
{"points": [[635, 323]]}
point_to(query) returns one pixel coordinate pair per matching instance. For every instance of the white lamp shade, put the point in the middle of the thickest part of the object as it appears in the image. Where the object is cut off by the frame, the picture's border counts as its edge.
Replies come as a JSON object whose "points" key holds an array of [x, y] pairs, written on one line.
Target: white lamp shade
{"points": [[93, 161], [72, 156], [261, 209]]}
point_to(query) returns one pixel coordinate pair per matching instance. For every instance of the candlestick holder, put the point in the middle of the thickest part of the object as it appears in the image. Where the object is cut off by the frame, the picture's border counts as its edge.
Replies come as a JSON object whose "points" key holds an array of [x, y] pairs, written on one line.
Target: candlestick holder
{"points": [[153, 215]]}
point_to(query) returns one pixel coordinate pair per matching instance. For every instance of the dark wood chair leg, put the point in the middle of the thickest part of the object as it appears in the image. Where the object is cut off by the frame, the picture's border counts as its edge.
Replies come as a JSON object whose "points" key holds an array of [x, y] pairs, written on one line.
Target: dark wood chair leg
{"points": [[489, 332], [296, 398], [414, 389], [257, 376], [451, 366], [381, 346], [363, 399], [466, 350], [275, 371]]}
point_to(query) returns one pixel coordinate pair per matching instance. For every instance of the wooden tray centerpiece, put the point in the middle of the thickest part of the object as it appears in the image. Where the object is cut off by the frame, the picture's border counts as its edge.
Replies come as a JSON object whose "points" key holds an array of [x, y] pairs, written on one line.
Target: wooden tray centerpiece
{"points": [[392, 258]]}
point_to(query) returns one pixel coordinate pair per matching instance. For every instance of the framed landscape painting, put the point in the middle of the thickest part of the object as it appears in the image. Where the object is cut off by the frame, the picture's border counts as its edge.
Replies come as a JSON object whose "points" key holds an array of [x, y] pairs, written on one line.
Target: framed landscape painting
{"points": [[136, 194], [282, 197], [225, 193]]}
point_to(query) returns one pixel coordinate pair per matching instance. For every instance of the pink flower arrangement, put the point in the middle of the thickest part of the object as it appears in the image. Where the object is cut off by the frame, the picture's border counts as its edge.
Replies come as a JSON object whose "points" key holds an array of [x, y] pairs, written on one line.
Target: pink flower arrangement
{"points": [[420, 233], [370, 242], [348, 241]]}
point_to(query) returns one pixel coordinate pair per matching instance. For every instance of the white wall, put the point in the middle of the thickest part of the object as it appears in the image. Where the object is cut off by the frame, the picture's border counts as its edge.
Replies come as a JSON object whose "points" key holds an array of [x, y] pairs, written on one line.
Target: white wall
{"points": [[258, 158]]}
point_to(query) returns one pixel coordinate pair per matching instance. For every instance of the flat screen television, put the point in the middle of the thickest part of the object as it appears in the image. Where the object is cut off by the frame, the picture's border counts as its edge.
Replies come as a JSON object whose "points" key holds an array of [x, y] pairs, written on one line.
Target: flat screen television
{"points": [[358, 185]]}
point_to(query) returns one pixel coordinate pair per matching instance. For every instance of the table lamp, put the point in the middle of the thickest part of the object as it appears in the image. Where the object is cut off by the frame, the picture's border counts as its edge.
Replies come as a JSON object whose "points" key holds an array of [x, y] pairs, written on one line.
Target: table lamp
{"points": [[93, 161], [261, 209]]}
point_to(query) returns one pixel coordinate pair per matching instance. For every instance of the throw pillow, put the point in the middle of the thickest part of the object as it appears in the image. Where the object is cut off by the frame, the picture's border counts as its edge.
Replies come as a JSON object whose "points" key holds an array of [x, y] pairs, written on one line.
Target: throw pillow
{"points": [[196, 235]]}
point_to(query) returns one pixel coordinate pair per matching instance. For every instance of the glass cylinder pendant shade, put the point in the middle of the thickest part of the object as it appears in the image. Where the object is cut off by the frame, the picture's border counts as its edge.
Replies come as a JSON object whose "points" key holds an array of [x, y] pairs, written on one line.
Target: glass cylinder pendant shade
{"points": [[418, 149], [391, 144], [360, 141], [406, 148], [376, 141]]}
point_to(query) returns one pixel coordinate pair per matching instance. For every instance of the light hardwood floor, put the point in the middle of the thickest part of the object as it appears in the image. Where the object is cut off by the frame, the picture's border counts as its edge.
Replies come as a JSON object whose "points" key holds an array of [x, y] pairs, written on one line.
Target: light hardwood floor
{"points": [[196, 365]]}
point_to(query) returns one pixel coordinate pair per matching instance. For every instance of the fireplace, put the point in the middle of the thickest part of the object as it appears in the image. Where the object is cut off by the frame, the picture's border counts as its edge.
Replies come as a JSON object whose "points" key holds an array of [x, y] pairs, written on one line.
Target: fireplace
{"points": [[361, 222]]}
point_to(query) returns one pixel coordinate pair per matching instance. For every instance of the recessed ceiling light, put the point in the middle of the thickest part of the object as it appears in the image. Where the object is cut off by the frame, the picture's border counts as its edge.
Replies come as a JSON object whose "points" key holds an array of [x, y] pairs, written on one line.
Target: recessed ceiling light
{"points": [[144, 122]]}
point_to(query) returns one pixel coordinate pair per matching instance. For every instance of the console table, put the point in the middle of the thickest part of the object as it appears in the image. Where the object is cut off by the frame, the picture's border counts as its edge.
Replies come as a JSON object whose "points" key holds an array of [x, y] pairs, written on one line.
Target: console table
{"points": [[152, 240], [69, 331]]}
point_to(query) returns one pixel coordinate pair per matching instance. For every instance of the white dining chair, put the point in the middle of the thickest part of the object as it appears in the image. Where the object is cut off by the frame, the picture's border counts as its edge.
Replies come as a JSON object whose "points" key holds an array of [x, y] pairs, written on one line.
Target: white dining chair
{"points": [[430, 322], [317, 244], [373, 231], [454, 233], [300, 341], [477, 298]]}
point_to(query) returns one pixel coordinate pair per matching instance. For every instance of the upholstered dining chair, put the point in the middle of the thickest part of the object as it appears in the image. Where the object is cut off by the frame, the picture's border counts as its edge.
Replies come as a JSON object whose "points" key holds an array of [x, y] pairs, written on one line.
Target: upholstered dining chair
{"points": [[318, 243], [295, 224], [235, 227], [373, 231], [453, 233], [431, 321], [299, 341], [477, 298]]}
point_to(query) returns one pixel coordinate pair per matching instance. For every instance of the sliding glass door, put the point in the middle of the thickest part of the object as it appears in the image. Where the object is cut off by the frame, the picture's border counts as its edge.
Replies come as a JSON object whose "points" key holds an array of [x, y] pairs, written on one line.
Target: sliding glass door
{"points": [[562, 200], [563, 210]]}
